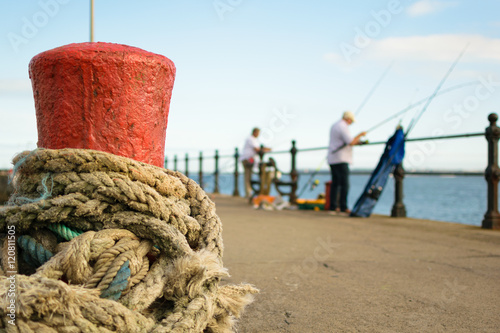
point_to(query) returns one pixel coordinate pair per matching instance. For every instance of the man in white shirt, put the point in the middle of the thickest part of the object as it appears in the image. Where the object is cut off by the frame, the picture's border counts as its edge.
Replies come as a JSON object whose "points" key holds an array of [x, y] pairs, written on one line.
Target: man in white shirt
{"points": [[248, 156], [339, 158]]}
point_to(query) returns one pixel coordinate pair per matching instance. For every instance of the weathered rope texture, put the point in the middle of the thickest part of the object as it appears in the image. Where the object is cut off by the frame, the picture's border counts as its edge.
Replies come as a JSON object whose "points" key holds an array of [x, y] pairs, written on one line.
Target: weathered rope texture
{"points": [[109, 244]]}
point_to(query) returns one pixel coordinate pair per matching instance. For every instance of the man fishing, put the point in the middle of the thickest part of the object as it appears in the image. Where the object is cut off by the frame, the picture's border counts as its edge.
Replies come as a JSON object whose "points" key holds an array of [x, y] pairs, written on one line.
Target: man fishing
{"points": [[339, 158]]}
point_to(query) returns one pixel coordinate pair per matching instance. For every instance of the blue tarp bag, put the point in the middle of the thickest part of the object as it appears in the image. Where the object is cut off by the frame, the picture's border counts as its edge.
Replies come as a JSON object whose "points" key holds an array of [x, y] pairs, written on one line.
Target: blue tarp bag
{"points": [[393, 155]]}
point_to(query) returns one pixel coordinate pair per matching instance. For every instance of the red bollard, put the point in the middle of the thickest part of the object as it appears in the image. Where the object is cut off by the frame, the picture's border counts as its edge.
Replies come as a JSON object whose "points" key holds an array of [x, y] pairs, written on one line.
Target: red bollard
{"points": [[102, 96]]}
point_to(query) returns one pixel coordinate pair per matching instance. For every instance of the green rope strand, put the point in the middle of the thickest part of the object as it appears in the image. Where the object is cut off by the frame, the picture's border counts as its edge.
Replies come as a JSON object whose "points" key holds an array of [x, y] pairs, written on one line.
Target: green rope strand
{"points": [[64, 231]]}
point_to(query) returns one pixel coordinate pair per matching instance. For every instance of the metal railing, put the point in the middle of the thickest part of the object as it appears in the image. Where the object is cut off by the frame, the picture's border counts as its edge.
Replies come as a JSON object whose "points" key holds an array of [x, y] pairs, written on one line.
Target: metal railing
{"points": [[492, 174]]}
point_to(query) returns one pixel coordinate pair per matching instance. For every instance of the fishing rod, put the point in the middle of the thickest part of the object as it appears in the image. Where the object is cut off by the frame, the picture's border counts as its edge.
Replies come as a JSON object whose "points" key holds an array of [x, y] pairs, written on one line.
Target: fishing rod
{"points": [[365, 100], [423, 100], [310, 178], [419, 115], [370, 93]]}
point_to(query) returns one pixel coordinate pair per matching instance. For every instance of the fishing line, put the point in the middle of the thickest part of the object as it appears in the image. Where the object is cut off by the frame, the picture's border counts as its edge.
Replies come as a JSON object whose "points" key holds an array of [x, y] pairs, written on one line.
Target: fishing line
{"points": [[310, 178], [410, 107], [370, 93], [419, 115], [365, 100], [429, 99], [412, 100]]}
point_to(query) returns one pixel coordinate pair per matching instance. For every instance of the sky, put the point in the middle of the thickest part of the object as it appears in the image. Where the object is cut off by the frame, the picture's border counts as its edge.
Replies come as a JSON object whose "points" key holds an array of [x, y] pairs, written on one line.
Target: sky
{"points": [[289, 67]]}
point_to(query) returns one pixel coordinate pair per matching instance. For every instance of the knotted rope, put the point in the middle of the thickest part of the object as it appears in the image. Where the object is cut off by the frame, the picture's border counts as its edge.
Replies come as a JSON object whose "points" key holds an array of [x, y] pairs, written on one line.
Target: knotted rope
{"points": [[112, 244]]}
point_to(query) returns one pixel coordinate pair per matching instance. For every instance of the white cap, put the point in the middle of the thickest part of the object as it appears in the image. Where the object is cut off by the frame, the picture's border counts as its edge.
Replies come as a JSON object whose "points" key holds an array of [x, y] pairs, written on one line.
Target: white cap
{"points": [[349, 115]]}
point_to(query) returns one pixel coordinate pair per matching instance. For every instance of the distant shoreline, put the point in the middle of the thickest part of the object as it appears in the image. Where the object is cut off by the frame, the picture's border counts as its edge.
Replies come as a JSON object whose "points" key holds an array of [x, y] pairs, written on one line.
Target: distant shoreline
{"points": [[407, 173], [4, 172]]}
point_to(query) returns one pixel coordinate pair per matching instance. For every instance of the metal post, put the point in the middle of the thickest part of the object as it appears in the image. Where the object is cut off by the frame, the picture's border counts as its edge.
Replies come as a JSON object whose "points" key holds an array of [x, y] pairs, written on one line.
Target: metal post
{"points": [[91, 21], [187, 165], [200, 174], [294, 174], [262, 170], [492, 174], [236, 192], [166, 162], [175, 162], [216, 173], [398, 209]]}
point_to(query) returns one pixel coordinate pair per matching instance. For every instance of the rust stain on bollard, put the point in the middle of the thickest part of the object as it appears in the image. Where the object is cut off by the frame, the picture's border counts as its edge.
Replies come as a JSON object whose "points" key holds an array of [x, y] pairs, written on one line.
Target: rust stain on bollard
{"points": [[103, 96]]}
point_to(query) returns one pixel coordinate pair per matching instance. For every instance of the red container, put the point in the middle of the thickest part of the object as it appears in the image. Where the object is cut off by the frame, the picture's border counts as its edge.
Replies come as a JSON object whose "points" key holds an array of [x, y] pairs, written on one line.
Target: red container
{"points": [[108, 97], [327, 195]]}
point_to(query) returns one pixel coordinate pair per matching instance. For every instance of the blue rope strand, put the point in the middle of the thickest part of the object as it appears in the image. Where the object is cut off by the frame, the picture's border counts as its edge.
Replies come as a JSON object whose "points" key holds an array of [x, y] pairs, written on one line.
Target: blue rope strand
{"points": [[35, 250], [19, 163], [46, 193], [119, 283]]}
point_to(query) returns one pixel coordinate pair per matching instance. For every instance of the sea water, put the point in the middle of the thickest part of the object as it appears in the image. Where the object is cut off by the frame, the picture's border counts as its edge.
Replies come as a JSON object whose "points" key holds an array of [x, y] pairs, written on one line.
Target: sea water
{"points": [[459, 199]]}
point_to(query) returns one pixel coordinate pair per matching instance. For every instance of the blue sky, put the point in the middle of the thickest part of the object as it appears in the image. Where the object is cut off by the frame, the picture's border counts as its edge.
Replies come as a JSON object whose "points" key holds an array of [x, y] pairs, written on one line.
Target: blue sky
{"points": [[290, 68]]}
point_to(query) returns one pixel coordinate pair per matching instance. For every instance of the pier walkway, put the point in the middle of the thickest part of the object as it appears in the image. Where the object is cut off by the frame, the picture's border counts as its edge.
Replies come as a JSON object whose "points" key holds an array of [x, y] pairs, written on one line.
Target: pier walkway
{"points": [[322, 273]]}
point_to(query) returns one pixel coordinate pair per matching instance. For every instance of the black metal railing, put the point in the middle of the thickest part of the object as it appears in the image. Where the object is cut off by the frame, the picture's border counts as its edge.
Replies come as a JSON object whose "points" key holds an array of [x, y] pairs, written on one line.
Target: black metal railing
{"points": [[492, 174]]}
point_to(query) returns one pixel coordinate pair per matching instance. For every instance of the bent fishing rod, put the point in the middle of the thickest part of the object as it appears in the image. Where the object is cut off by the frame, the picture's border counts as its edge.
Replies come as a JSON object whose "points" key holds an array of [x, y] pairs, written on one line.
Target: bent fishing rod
{"points": [[429, 100], [422, 101], [370, 93], [365, 100], [419, 115]]}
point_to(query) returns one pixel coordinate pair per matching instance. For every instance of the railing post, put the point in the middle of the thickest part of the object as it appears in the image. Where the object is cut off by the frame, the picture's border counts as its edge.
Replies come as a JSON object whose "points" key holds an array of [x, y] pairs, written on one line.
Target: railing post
{"points": [[492, 174], [166, 163], [216, 173], [175, 162], [187, 165], [200, 173], [398, 209], [294, 175], [236, 192], [262, 170]]}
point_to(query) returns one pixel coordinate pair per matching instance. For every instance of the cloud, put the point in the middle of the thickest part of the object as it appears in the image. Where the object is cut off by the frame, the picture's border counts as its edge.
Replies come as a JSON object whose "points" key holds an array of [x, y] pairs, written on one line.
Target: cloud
{"points": [[15, 85], [440, 47], [425, 7]]}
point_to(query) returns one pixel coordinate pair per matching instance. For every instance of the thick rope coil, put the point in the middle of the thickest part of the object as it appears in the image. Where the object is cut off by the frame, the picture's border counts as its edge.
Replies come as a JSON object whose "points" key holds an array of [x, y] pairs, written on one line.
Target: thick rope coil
{"points": [[122, 207], [37, 253]]}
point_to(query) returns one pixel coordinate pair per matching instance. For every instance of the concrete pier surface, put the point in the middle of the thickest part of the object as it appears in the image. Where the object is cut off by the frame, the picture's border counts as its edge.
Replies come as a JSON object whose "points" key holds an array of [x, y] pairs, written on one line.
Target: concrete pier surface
{"points": [[322, 273]]}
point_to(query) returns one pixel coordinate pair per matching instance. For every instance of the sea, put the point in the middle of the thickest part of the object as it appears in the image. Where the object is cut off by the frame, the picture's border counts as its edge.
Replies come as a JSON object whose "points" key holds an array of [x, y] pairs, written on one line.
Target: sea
{"points": [[457, 199]]}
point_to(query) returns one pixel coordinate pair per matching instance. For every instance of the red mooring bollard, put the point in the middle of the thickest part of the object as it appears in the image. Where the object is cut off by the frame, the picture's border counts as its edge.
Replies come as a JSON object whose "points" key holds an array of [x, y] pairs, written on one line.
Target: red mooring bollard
{"points": [[108, 97]]}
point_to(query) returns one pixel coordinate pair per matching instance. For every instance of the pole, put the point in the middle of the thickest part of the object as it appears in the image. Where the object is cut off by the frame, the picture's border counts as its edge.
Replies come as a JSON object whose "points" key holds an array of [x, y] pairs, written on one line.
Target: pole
{"points": [[294, 174], [200, 174], [91, 21], [236, 192], [216, 173], [262, 170], [492, 174], [398, 209], [187, 165]]}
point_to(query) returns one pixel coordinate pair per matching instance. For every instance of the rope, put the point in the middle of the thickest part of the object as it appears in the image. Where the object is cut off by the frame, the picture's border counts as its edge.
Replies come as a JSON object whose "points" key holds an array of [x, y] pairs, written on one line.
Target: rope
{"points": [[105, 274], [36, 252], [63, 231], [119, 283]]}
